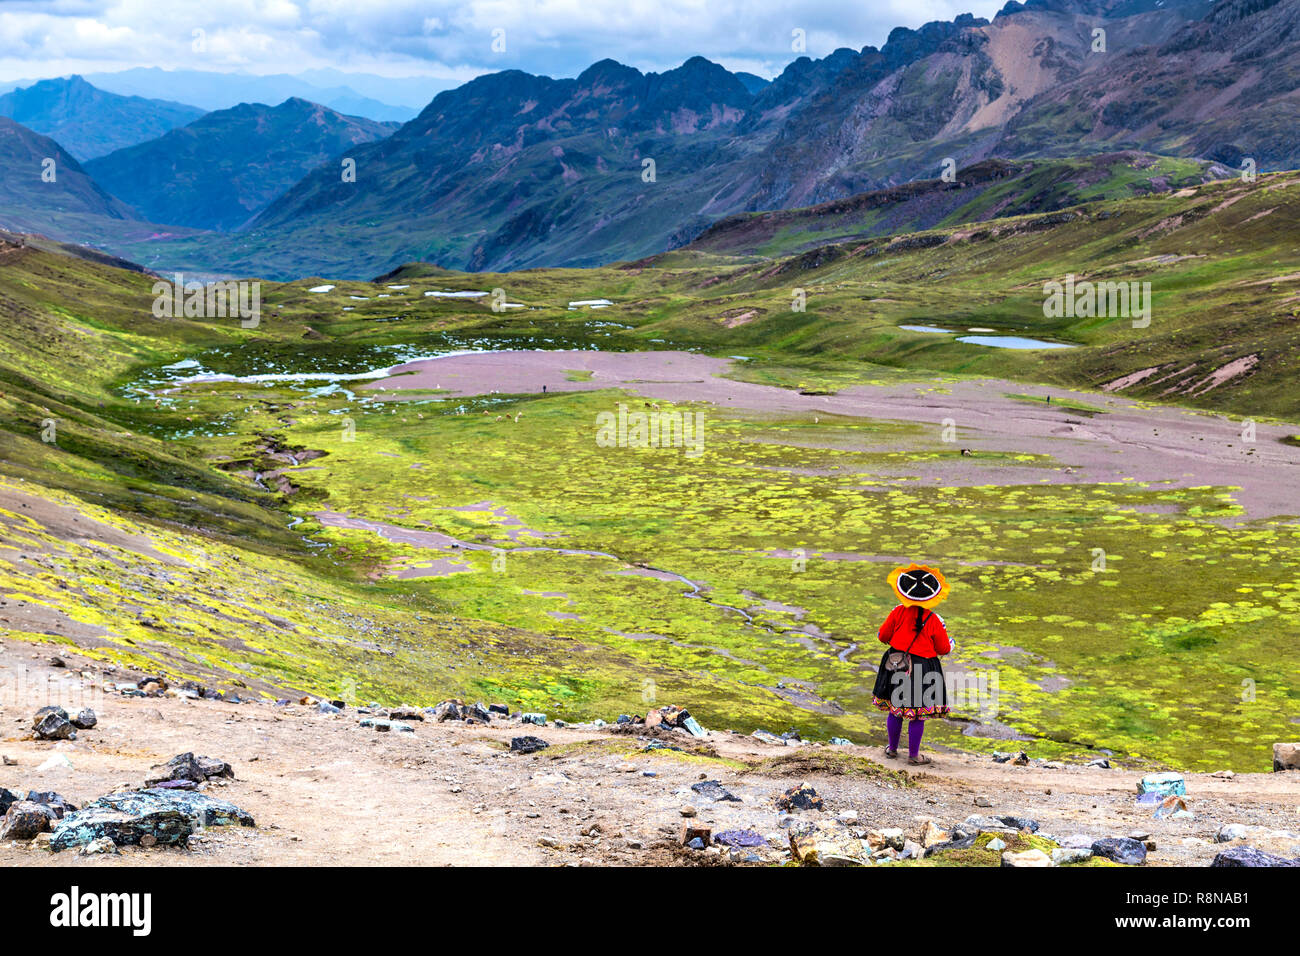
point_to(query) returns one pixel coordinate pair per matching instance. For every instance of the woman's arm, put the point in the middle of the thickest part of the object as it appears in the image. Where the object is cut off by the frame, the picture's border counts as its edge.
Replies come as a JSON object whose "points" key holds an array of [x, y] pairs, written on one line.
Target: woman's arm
{"points": [[887, 629], [942, 645]]}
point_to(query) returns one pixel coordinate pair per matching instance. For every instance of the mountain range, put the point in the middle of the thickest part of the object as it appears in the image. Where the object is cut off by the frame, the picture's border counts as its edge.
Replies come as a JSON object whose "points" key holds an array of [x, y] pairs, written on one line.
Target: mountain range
{"points": [[513, 170], [222, 169], [90, 122], [390, 99]]}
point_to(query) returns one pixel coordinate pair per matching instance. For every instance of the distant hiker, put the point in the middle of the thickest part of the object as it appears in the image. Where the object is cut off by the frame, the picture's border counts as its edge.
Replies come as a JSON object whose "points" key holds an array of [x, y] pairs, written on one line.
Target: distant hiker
{"points": [[910, 681], [543, 389]]}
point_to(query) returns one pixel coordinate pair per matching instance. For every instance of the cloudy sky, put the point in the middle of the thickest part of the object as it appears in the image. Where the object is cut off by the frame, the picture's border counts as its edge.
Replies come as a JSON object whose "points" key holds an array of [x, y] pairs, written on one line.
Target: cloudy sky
{"points": [[450, 40]]}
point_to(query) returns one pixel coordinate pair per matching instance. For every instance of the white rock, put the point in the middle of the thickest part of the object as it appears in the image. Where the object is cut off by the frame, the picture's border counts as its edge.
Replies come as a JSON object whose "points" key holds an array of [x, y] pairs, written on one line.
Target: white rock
{"points": [[1064, 855]]}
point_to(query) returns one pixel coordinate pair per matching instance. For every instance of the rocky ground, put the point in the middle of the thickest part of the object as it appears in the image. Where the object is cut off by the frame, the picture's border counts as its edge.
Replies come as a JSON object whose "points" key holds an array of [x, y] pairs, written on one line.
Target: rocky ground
{"points": [[323, 788]]}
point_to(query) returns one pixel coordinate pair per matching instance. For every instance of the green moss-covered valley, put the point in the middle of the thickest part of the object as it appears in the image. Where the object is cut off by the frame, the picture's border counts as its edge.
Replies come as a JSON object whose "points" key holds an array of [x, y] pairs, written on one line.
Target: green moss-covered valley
{"points": [[746, 582]]}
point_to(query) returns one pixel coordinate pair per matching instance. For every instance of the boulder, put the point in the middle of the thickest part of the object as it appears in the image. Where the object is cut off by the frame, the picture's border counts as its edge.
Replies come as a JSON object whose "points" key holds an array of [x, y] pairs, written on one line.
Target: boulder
{"points": [[527, 744], [738, 838], [540, 719], [1286, 756], [762, 736], [1065, 855], [85, 719], [828, 846], [1249, 856], [52, 801], [24, 819], [980, 824], [888, 837], [414, 713], [1028, 858], [673, 716], [1019, 823], [715, 791], [801, 797], [165, 817], [932, 835], [1121, 850], [470, 713], [186, 766], [1174, 808], [1163, 785], [961, 840], [1231, 832], [382, 726], [51, 723], [7, 799], [152, 686]]}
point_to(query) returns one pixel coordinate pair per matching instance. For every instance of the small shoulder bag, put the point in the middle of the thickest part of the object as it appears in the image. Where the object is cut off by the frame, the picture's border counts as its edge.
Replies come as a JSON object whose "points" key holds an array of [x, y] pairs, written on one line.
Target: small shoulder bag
{"points": [[896, 661]]}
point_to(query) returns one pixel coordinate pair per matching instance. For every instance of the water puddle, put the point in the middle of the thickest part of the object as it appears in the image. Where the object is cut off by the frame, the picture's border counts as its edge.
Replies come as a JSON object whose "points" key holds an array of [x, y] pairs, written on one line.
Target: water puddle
{"points": [[1011, 342]]}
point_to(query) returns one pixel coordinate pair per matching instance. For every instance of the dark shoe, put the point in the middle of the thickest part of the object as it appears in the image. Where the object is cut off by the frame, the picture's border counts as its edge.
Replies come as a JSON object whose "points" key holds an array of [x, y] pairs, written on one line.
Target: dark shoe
{"points": [[920, 761], [891, 754]]}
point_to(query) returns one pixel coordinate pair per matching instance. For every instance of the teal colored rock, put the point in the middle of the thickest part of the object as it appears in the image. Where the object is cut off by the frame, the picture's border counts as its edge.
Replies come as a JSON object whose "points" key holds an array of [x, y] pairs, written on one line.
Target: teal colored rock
{"points": [[538, 719], [693, 726], [168, 816], [1163, 784]]}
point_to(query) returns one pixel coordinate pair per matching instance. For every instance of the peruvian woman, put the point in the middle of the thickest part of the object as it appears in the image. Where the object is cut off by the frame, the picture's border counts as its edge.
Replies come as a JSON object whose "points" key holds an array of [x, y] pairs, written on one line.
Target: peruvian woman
{"points": [[910, 685]]}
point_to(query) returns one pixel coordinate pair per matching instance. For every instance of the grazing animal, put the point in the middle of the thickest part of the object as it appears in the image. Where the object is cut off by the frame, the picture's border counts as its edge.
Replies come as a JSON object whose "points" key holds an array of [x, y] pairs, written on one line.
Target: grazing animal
{"points": [[967, 453]]}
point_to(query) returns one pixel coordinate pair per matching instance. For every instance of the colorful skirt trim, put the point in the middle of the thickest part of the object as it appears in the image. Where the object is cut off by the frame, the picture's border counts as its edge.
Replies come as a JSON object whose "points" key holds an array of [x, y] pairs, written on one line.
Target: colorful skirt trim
{"points": [[917, 695], [912, 713]]}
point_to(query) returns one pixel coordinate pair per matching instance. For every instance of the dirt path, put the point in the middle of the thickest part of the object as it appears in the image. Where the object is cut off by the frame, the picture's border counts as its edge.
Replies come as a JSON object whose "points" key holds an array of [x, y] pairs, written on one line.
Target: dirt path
{"points": [[323, 789], [1149, 444]]}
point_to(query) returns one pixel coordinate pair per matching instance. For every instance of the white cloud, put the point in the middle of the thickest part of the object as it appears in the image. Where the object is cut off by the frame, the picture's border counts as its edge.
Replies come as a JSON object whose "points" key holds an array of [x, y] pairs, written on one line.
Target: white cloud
{"points": [[449, 39]]}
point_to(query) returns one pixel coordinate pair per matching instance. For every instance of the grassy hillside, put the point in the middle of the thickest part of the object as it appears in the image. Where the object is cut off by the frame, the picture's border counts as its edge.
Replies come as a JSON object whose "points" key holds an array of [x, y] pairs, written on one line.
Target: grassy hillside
{"points": [[986, 190]]}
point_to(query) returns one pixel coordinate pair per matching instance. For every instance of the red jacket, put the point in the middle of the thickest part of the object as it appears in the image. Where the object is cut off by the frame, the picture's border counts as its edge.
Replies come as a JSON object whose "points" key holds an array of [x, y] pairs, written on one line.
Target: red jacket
{"points": [[900, 628]]}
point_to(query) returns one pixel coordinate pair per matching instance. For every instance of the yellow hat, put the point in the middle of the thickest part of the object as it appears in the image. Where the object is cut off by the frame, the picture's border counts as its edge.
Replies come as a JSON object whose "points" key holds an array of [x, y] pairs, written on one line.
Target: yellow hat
{"points": [[918, 586]]}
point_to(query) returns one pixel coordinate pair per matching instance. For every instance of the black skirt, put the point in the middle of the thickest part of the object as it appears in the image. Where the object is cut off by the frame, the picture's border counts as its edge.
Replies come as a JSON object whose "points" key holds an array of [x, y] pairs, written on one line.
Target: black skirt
{"points": [[916, 695]]}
